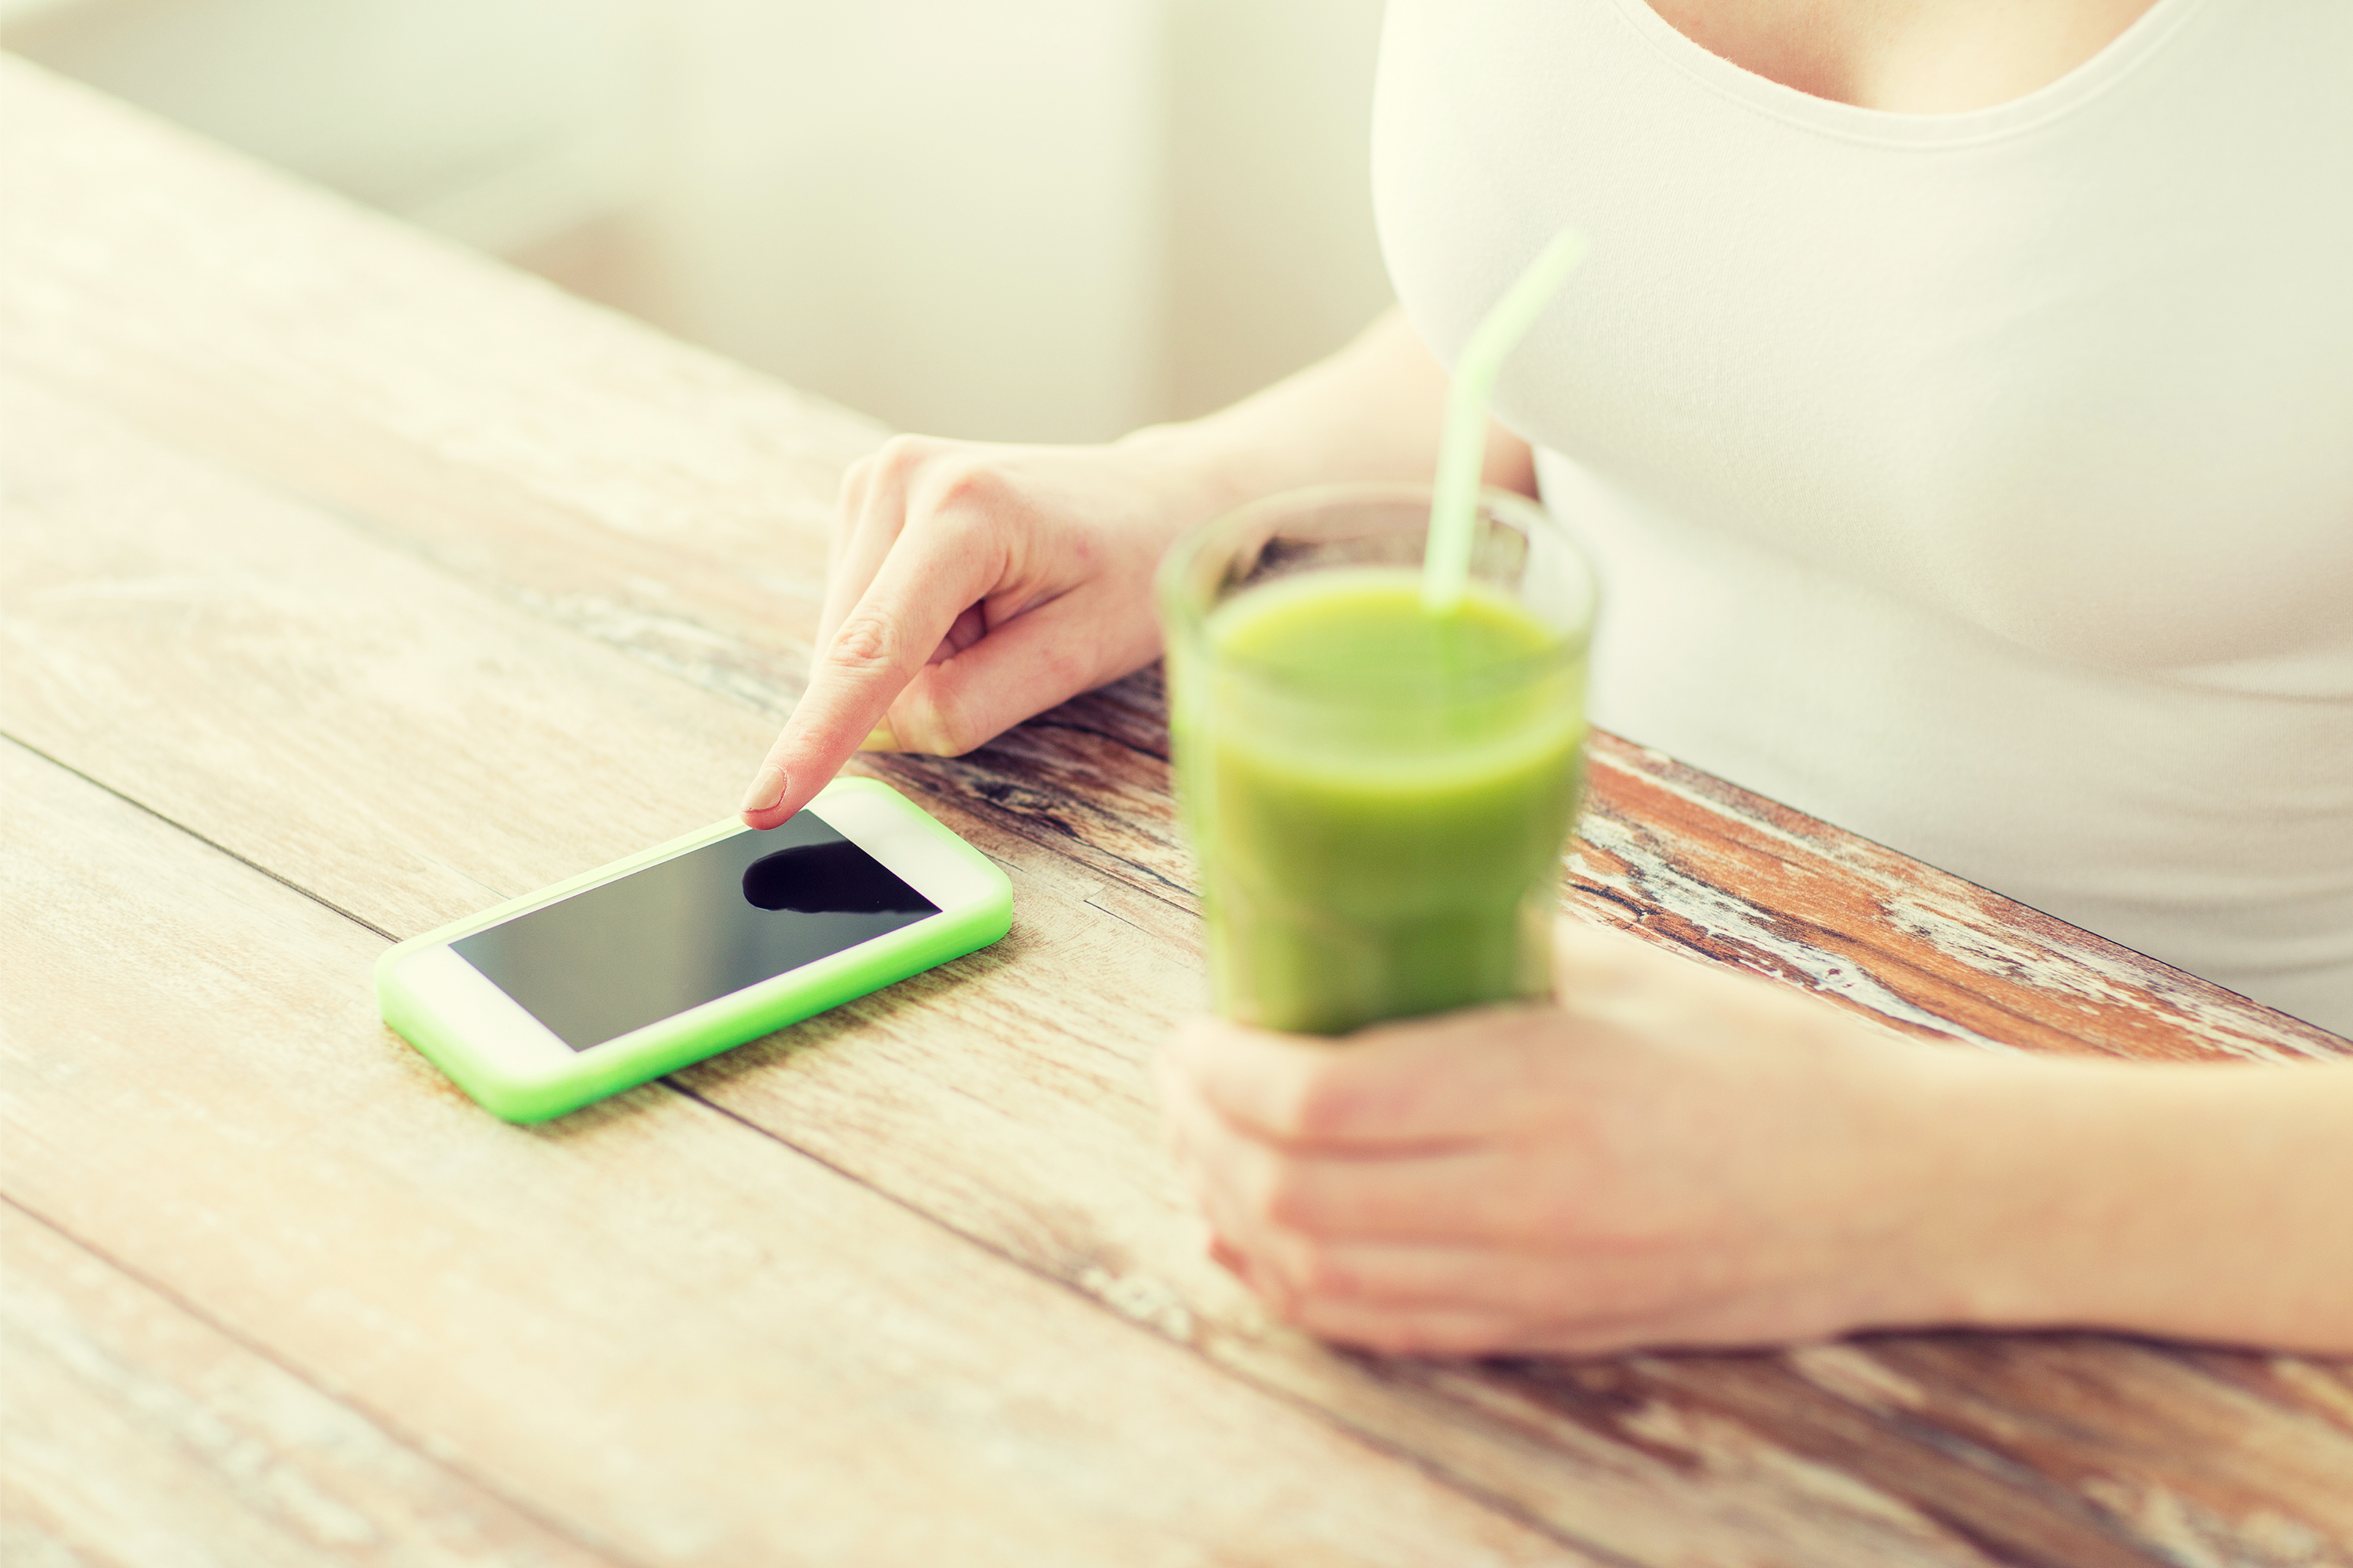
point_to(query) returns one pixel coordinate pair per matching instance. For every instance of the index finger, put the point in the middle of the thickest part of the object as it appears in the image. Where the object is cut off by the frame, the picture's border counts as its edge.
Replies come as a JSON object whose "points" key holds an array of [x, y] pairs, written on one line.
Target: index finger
{"points": [[882, 644]]}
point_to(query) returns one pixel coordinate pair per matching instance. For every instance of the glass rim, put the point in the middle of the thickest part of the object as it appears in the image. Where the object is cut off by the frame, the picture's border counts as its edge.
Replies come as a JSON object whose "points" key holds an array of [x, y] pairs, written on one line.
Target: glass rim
{"points": [[1183, 613]]}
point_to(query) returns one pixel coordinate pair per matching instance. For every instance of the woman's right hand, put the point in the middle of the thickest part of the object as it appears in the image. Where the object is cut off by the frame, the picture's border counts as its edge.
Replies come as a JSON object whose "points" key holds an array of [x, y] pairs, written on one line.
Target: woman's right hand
{"points": [[974, 585]]}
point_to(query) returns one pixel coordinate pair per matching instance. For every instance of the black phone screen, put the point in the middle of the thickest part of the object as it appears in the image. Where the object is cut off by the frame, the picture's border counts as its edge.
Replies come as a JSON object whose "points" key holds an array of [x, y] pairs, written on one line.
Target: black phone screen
{"points": [[689, 930]]}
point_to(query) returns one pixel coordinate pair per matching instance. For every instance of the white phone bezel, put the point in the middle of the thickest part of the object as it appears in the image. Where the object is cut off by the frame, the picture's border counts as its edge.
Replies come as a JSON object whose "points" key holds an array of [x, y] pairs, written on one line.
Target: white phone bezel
{"points": [[513, 1044]]}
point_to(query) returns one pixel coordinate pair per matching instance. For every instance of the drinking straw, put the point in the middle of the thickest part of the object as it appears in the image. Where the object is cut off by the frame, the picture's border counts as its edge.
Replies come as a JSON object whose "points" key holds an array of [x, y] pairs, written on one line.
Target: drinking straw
{"points": [[1461, 451]]}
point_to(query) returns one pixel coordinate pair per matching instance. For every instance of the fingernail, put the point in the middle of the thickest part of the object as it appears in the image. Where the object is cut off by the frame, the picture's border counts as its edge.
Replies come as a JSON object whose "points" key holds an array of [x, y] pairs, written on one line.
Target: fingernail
{"points": [[879, 739], [766, 789]]}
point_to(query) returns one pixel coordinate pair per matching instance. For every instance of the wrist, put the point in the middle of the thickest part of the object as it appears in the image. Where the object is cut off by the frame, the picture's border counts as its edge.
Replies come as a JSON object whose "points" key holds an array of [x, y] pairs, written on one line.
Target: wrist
{"points": [[2076, 1194], [1205, 468], [1370, 411], [1974, 1193], [1992, 1205]]}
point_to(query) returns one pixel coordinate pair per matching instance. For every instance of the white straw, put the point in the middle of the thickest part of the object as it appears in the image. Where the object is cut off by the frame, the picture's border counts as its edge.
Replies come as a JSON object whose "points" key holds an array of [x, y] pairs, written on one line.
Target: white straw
{"points": [[1461, 453]]}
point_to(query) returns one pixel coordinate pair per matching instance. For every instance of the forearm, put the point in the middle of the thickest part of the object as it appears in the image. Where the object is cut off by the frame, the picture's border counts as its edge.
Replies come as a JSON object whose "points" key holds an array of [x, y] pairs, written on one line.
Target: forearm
{"points": [[1372, 411], [2197, 1202]]}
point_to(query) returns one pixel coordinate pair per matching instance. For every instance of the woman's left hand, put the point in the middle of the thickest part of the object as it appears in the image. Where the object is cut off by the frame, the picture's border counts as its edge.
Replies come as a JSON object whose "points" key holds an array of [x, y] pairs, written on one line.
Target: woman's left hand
{"points": [[1667, 1155]]}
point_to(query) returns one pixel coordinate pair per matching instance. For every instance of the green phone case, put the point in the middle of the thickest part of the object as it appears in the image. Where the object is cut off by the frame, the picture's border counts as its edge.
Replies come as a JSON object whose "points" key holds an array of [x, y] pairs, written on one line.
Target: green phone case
{"points": [[703, 1031]]}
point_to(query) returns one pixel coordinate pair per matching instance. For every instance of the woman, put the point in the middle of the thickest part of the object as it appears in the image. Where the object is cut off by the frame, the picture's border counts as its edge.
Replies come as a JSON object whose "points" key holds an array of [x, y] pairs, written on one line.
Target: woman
{"points": [[1961, 400]]}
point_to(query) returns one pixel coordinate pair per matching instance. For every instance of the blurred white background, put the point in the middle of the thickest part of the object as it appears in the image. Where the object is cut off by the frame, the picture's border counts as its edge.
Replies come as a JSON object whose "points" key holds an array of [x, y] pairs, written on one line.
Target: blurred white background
{"points": [[1013, 219]]}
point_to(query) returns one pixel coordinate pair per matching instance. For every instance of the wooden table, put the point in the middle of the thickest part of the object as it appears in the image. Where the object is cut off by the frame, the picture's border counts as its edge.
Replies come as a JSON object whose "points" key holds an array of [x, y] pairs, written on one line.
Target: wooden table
{"points": [[352, 583]]}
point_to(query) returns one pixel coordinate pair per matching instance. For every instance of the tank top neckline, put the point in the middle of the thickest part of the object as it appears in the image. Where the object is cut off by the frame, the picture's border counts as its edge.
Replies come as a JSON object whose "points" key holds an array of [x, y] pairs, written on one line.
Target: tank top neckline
{"points": [[2115, 61]]}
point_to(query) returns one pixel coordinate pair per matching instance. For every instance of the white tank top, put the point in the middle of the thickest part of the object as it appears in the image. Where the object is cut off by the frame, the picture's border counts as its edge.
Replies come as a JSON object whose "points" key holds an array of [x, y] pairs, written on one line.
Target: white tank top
{"points": [[1981, 482]]}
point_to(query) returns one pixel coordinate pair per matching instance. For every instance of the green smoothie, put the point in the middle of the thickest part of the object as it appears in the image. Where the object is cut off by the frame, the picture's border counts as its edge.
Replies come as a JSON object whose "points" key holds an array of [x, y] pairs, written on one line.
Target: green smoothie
{"points": [[1379, 795]]}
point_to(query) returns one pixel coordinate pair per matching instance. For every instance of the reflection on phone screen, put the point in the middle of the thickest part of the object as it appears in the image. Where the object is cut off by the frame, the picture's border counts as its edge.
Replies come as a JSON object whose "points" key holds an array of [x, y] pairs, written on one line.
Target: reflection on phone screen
{"points": [[689, 929]]}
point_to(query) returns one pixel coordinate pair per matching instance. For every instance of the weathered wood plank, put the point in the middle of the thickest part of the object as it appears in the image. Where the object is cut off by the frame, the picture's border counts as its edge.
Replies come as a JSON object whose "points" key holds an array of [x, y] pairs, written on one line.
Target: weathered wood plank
{"points": [[448, 405], [1041, 1143], [652, 1322], [1689, 859], [246, 613], [1005, 1094], [133, 1432], [713, 481]]}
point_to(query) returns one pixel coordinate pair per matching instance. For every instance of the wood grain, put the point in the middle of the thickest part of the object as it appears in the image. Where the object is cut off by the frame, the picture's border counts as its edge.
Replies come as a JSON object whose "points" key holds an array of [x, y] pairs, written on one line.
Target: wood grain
{"points": [[1691, 859], [134, 1429], [1003, 1095], [651, 1322], [168, 279]]}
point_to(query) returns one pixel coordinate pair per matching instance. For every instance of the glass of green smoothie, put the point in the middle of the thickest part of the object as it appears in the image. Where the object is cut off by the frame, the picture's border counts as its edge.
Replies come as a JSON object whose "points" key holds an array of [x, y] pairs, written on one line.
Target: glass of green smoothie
{"points": [[1378, 794]]}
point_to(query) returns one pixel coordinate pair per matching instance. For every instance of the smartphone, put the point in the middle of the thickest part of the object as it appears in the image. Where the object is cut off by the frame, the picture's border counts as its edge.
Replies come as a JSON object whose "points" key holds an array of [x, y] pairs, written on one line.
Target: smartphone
{"points": [[596, 984]]}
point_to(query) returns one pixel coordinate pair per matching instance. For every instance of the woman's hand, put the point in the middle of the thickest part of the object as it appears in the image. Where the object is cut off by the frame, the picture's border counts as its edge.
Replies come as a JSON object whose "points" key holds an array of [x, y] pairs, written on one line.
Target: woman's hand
{"points": [[972, 586], [1676, 1155], [1669, 1155]]}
